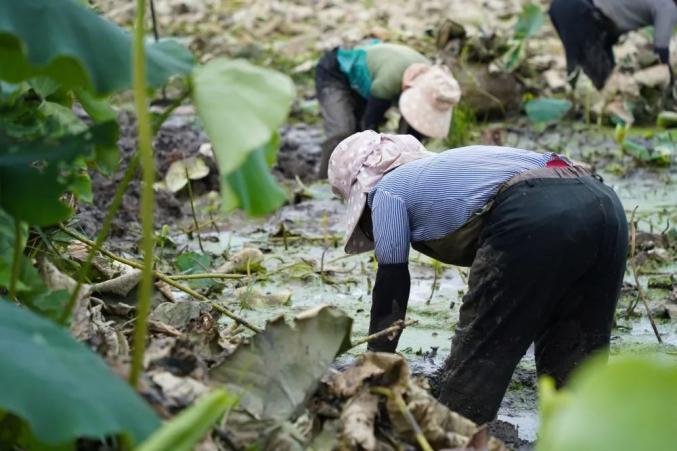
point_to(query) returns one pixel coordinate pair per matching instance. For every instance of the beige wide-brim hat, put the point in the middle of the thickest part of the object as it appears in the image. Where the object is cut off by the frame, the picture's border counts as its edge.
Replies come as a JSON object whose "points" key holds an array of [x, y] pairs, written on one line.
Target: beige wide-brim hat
{"points": [[428, 98], [356, 166]]}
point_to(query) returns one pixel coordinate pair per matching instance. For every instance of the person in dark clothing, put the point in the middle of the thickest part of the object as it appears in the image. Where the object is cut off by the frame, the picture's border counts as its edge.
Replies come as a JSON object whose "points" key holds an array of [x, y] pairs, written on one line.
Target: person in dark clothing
{"points": [[590, 28], [355, 88], [546, 242]]}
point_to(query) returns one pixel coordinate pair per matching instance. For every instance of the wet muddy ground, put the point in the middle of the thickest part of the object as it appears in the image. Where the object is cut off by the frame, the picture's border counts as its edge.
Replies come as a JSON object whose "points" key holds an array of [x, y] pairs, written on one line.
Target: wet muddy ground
{"points": [[303, 256]]}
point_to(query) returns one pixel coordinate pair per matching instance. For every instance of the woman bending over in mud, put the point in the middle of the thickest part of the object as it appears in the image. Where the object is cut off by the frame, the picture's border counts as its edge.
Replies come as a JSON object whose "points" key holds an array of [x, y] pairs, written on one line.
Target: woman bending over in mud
{"points": [[355, 87], [546, 241], [590, 28]]}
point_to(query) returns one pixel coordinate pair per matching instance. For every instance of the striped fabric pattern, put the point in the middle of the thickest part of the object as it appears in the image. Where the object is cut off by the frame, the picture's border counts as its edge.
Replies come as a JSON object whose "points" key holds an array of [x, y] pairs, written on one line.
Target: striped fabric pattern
{"points": [[429, 198]]}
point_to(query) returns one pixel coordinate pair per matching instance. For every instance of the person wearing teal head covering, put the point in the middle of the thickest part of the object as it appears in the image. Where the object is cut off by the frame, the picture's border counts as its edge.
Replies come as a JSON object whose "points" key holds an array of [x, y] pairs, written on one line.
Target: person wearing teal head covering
{"points": [[355, 87]]}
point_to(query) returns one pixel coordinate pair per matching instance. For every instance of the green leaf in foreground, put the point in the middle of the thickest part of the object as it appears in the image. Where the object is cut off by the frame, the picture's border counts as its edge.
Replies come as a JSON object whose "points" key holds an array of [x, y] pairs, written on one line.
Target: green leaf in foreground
{"points": [[69, 42], [278, 369], [185, 430], [41, 171], [242, 106], [547, 109], [61, 388], [629, 404], [256, 190]]}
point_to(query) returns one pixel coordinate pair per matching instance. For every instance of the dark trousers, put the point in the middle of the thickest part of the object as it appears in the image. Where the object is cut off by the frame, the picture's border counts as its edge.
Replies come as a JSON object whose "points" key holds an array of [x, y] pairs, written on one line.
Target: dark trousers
{"points": [[548, 271], [340, 105], [588, 37]]}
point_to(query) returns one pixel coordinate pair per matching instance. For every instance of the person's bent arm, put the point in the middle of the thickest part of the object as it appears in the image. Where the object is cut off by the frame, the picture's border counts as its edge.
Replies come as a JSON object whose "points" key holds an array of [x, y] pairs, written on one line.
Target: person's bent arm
{"points": [[391, 289], [374, 113]]}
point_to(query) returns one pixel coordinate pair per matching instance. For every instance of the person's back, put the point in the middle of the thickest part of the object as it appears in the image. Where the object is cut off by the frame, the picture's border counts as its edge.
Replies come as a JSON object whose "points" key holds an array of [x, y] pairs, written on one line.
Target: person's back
{"points": [[630, 15], [387, 63], [442, 192]]}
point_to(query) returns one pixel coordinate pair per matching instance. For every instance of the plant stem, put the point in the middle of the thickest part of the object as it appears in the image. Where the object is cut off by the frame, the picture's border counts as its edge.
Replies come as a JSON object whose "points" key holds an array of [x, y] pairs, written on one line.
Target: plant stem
{"points": [[16, 260], [199, 276], [103, 233], [394, 328], [147, 194], [404, 410], [164, 277], [192, 209], [159, 120], [640, 291], [437, 267], [633, 240], [635, 275]]}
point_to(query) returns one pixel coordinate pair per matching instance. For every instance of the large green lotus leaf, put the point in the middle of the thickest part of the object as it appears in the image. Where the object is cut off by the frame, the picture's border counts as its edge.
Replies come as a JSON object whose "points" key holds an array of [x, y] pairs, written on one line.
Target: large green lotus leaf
{"points": [[253, 185], [241, 105], [276, 372], [77, 48], [107, 156], [546, 109], [629, 404], [61, 388], [34, 175]]}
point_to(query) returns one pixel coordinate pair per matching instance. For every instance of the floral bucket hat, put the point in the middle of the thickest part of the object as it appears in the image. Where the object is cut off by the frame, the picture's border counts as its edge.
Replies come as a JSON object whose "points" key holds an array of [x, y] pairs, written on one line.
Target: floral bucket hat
{"points": [[356, 166], [428, 98]]}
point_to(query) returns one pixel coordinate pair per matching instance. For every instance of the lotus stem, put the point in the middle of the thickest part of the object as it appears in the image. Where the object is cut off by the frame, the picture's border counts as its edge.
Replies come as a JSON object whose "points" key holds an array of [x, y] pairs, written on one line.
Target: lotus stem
{"points": [[147, 194], [103, 233]]}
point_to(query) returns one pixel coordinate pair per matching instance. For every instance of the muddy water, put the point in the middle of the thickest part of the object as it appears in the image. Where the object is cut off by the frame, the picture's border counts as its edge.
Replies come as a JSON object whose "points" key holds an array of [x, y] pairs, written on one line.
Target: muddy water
{"points": [[326, 275]]}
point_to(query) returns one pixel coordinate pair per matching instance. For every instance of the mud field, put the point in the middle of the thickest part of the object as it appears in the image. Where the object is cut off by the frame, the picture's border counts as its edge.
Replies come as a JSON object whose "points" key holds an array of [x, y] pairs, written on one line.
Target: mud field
{"points": [[292, 260], [303, 264]]}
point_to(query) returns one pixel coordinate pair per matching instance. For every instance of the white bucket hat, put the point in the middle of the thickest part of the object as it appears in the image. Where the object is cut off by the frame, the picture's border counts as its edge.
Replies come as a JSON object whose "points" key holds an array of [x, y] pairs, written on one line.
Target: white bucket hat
{"points": [[356, 166], [429, 94]]}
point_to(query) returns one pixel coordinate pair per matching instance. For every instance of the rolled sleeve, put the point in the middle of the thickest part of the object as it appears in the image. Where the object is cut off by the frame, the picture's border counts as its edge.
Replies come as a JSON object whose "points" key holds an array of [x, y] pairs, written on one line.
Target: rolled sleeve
{"points": [[390, 227]]}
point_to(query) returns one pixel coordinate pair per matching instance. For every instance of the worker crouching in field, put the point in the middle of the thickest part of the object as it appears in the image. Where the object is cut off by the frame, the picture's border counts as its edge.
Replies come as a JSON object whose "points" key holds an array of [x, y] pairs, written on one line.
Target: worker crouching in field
{"points": [[356, 87], [590, 28], [545, 239]]}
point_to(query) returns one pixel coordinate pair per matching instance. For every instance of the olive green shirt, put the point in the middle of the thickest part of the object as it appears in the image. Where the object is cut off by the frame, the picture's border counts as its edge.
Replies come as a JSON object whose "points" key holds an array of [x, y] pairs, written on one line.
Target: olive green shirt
{"points": [[386, 64]]}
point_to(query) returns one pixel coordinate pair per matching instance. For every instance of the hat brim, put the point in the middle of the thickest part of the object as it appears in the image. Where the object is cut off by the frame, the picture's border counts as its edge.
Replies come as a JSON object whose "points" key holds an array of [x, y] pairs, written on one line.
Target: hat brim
{"points": [[355, 239], [419, 112]]}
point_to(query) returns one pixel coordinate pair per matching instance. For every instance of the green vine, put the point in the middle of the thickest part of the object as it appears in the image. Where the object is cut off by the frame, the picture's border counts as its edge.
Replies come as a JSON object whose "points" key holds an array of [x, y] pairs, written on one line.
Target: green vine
{"points": [[147, 195], [103, 233], [16, 261]]}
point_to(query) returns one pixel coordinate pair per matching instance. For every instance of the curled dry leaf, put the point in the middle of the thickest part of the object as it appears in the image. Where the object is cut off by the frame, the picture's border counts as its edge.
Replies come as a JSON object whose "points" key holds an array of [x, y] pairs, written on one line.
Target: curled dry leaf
{"points": [[442, 428], [245, 261], [369, 366], [206, 150], [56, 280], [654, 76], [179, 392], [179, 172], [102, 335], [80, 327], [179, 314], [252, 298], [357, 421], [166, 290], [162, 328], [120, 285]]}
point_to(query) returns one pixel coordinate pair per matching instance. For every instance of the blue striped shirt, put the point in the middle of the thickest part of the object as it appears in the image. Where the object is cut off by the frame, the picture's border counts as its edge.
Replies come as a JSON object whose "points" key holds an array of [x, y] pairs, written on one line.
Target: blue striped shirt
{"points": [[429, 198]]}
